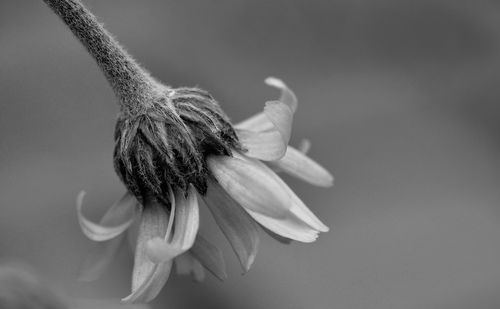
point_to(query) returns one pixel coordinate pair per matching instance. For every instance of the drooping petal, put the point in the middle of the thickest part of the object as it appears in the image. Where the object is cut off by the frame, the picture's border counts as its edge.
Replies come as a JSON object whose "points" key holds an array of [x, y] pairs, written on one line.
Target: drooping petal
{"points": [[302, 212], [101, 256], [297, 208], [287, 95], [158, 250], [277, 237], [186, 227], [297, 211], [289, 227], [116, 220], [267, 145], [252, 186], [210, 257], [239, 229], [152, 284], [297, 164], [187, 219], [148, 278]]}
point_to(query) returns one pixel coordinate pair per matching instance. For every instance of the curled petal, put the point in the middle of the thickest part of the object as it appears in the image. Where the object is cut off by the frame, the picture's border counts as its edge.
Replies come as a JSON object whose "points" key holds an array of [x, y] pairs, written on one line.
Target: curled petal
{"points": [[148, 278], [186, 227], [252, 186], [267, 146], [210, 257], [287, 95], [257, 123], [239, 229], [281, 115], [277, 115], [101, 256], [116, 220], [297, 164]]}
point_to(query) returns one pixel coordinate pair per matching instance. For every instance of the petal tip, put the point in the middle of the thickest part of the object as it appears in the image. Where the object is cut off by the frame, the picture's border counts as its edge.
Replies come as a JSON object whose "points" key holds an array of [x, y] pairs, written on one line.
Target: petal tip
{"points": [[275, 82], [248, 265]]}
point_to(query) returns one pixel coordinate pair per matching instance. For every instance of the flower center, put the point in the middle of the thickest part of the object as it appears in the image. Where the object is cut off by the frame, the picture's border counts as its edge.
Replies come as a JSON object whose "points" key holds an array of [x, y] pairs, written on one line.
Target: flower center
{"points": [[166, 145]]}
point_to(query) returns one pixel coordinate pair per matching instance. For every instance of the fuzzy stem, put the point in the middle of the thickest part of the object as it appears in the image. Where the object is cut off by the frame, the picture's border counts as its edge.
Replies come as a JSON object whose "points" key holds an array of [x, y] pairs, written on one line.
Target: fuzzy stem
{"points": [[131, 83]]}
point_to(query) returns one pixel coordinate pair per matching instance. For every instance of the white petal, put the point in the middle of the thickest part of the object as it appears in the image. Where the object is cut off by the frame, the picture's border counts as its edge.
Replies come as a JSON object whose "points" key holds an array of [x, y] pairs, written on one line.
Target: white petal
{"points": [[210, 257], [152, 284], [260, 122], [267, 145], [277, 237], [257, 123], [148, 278], [101, 256], [287, 95], [281, 115], [302, 212], [239, 229], [187, 219], [252, 186], [116, 220], [158, 250], [289, 227], [103, 253], [301, 166], [186, 227], [297, 208]]}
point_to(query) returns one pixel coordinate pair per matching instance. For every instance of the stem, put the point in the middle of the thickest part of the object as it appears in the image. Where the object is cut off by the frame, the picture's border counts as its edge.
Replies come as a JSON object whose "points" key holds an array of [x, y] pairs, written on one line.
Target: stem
{"points": [[130, 82]]}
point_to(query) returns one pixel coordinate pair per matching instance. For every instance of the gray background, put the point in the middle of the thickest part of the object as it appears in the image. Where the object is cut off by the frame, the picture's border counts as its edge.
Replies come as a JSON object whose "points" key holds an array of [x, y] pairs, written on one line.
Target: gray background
{"points": [[399, 99]]}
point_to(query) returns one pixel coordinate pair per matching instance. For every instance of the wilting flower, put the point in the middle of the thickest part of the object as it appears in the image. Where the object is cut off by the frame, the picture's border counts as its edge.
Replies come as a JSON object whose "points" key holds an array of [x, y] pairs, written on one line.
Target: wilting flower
{"points": [[232, 179], [174, 146]]}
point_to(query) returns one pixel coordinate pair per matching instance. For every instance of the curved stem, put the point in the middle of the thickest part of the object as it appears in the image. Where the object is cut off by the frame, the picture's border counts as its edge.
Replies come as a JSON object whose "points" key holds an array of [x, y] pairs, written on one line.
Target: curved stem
{"points": [[131, 83]]}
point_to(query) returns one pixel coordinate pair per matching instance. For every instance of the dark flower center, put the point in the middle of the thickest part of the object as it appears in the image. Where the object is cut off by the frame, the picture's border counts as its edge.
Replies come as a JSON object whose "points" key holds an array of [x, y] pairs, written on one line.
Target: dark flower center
{"points": [[166, 146]]}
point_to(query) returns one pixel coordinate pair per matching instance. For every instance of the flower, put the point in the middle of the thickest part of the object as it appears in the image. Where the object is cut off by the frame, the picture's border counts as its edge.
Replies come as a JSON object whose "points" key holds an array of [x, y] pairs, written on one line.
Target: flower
{"points": [[20, 288], [174, 146], [231, 169]]}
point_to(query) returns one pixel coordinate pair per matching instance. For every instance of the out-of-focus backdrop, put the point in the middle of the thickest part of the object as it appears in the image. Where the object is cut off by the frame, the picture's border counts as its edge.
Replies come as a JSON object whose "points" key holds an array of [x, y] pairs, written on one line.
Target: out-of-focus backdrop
{"points": [[400, 100]]}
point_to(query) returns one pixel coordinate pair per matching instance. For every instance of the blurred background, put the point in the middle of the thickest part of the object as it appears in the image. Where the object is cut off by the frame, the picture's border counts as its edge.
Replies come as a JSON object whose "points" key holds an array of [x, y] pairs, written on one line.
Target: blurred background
{"points": [[400, 102]]}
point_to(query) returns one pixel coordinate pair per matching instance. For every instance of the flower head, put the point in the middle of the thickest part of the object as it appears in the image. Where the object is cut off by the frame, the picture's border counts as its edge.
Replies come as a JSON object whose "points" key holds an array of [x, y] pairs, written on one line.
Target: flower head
{"points": [[164, 147], [233, 169], [176, 146]]}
